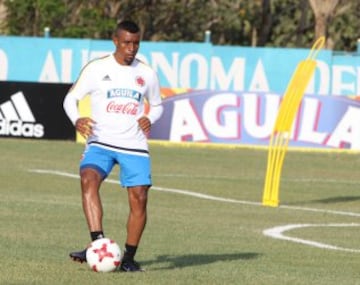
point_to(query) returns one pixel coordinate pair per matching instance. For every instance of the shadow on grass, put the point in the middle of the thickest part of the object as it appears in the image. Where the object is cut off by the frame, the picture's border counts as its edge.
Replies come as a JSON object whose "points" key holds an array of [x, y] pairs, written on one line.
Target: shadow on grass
{"points": [[197, 259], [332, 200], [337, 199]]}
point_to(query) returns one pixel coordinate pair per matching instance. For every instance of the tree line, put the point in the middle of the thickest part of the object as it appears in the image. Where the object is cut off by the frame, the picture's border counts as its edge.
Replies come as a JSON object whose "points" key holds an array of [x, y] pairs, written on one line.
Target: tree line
{"points": [[262, 23]]}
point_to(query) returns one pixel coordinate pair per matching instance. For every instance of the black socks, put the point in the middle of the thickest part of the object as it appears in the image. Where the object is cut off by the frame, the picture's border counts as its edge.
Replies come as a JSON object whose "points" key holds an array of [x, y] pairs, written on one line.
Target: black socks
{"points": [[129, 252], [96, 235]]}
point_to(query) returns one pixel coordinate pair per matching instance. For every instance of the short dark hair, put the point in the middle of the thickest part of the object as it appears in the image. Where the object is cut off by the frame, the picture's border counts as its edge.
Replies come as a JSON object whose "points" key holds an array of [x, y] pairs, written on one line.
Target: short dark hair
{"points": [[127, 25]]}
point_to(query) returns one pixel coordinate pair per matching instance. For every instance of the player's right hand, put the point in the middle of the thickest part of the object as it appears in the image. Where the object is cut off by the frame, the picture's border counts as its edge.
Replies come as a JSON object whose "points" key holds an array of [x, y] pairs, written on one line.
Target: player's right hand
{"points": [[85, 126]]}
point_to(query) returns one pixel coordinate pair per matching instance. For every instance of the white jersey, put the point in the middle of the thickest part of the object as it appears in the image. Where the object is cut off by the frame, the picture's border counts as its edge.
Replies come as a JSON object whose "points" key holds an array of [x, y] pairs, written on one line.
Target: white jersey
{"points": [[117, 94]]}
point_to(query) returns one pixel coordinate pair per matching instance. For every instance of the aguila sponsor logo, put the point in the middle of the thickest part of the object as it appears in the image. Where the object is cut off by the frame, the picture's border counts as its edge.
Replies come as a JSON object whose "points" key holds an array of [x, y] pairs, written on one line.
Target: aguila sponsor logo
{"points": [[128, 108]]}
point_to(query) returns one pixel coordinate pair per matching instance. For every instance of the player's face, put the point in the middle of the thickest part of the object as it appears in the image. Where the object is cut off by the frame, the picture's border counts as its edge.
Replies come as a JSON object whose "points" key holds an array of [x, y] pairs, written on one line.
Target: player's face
{"points": [[127, 45]]}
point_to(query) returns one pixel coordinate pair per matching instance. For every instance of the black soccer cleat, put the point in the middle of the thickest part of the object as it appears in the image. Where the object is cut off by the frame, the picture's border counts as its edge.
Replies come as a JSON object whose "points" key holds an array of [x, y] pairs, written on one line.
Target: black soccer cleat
{"points": [[130, 265], [78, 256]]}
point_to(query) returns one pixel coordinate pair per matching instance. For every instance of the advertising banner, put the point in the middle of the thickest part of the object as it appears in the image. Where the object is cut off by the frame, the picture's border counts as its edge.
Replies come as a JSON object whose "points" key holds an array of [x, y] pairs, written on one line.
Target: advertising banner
{"points": [[34, 110], [246, 118], [183, 65], [219, 94]]}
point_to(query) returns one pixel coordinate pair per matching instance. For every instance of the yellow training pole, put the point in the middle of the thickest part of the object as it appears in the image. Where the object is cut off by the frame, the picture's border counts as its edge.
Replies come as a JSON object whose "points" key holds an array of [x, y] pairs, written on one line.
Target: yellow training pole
{"points": [[281, 133]]}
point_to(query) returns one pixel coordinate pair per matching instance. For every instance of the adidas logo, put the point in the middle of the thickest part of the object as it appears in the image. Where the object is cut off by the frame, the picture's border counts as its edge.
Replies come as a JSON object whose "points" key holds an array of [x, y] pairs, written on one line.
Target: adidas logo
{"points": [[107, 78], [17, 119]]}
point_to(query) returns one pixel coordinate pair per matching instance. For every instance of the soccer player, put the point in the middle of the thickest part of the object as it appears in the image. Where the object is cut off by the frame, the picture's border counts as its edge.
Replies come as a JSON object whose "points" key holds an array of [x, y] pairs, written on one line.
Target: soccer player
{"points": [[116, 133]]}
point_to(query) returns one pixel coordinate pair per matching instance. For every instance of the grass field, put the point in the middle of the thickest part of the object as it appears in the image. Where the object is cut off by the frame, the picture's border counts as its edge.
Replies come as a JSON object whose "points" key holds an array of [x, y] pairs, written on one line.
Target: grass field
{"points": [[213, 238]]}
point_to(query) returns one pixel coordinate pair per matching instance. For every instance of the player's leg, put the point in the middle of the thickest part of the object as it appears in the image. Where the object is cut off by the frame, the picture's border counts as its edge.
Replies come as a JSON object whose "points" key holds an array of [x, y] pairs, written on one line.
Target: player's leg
{"points": [[92, 207], [136, 177], [94, 167], [138, 196], [91, 201]]}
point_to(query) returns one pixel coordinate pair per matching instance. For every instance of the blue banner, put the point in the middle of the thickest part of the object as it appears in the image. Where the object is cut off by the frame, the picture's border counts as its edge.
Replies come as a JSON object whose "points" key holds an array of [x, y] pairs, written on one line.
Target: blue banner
{"points": [[182, 65]]}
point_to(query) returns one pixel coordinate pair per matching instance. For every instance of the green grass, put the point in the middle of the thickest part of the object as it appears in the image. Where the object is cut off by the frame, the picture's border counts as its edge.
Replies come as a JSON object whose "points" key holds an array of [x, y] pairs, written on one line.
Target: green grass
{"points": [[188, 240]]}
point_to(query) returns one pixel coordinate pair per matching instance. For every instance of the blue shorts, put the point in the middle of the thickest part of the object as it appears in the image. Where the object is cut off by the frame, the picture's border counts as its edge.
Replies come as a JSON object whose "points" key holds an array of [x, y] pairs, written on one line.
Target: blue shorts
{"points": [[135, 169]]}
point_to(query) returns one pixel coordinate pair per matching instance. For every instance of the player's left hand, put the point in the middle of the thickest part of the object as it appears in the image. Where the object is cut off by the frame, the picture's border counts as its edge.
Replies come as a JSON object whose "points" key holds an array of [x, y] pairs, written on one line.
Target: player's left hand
{"points": [[144, 124]]}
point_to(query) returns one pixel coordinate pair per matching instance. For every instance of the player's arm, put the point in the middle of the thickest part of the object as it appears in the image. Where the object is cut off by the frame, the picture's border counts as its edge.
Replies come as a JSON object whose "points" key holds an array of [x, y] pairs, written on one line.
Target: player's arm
{"points": [[78, 91], [154, 114], [83, 125], [156, 108], [70, 105]]}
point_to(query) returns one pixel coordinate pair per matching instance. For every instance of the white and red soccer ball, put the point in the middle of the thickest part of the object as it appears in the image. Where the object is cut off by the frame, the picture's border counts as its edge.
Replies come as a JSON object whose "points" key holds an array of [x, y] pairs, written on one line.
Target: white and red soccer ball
{"points": [[103, 255]]}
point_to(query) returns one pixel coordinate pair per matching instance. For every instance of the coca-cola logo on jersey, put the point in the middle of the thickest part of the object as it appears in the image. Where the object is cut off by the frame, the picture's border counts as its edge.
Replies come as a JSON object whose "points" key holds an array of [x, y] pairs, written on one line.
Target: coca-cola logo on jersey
{"points": [[128, 108]]}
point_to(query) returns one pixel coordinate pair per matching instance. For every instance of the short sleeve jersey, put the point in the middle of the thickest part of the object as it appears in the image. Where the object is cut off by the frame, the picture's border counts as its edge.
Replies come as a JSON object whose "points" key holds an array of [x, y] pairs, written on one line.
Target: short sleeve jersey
{"points": [[117, 93]]}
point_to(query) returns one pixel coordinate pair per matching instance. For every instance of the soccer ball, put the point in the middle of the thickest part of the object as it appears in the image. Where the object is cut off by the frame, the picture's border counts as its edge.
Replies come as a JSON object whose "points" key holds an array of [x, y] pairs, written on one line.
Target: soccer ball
{"points": [[103, 255]]}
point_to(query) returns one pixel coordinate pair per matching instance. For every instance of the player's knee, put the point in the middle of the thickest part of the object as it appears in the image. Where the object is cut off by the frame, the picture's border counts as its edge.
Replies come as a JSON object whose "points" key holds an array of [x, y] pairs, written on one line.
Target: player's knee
{"points": [[90, 179], [139, 197]]}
